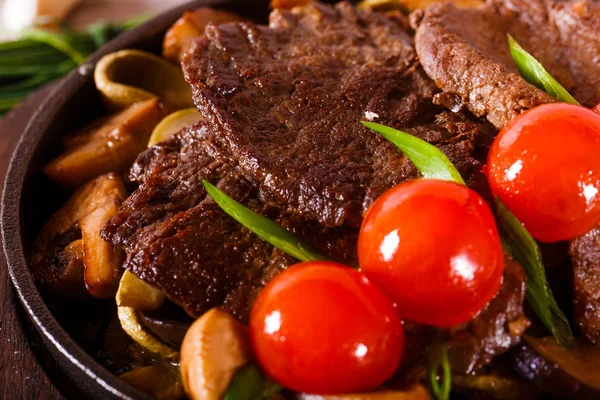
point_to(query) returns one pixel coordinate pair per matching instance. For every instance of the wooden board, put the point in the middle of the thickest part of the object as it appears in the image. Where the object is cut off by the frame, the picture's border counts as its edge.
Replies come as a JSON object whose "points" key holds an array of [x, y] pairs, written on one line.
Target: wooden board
{"points": [[21, 374]]}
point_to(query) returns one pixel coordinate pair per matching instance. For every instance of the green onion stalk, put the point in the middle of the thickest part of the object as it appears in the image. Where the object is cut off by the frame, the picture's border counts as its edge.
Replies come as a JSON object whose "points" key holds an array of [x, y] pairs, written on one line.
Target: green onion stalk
{"points": [[42, 56]]}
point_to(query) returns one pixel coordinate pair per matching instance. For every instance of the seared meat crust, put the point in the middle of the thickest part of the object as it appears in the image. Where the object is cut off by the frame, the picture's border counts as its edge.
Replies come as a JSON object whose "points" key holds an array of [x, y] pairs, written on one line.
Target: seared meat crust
{"points": [[287, 99]]}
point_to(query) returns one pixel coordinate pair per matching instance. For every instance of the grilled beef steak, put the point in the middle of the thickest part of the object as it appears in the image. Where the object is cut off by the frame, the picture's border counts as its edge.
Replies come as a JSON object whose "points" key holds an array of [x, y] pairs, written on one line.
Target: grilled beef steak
{"points": [[585, 253], [289, 145], [564, 36], [286, 101], [282, 136], [472, 61], [180, 241]]}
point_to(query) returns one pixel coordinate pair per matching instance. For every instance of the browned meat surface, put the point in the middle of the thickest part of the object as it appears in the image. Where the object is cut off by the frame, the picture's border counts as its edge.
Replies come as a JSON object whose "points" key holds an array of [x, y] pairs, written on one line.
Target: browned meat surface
{"points": [[495, 330], [530, 23], [283, 137], [286, 101], [472, 60], [181, 242], [284, 105], [585, 253], [579, 26], [472, 346]]}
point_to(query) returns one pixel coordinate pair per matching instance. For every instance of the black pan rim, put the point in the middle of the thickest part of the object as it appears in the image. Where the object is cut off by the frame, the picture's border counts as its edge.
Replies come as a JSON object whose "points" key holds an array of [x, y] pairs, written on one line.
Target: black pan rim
{"points": [[88, 374]]}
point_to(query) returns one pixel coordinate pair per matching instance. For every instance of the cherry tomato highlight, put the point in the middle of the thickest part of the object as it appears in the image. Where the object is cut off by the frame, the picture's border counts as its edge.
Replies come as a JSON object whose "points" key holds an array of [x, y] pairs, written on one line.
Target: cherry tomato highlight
{"points": [[323, 328], [545, 167], [434, 248]]}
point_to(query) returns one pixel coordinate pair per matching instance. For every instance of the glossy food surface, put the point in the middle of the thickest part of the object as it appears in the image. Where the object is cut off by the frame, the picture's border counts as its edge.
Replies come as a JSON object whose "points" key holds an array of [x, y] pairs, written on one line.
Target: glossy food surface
{"points": [[323, 328], [434, 248], [545, 167]]}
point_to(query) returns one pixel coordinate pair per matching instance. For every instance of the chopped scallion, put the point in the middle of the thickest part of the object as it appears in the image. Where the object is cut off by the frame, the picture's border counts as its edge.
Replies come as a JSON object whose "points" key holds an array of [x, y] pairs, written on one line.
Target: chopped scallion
{"points": [[266, 229], [535, 73]]}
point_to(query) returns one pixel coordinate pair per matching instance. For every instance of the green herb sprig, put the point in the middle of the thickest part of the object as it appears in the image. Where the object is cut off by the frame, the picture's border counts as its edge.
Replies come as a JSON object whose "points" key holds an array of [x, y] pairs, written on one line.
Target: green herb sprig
{"points": [[433, 163], [535, 73], [42, 56], [266, 229], [526, 251], [249, 383], [438, 368]]}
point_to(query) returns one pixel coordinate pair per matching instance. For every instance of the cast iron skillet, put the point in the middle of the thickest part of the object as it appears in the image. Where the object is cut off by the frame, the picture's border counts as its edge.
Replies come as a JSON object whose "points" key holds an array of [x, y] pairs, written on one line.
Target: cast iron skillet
{"points": [[29, 198]]}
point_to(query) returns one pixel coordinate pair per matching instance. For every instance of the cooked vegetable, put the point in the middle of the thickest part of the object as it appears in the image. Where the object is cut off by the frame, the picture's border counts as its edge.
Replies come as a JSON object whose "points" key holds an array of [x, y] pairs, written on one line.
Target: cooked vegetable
{"points": [[135, 293], [174, 123], [110, 144], [526, 251], [132, 325], [535, 73], [414, 392], [522, 245], [161, 381], [170, 331], [411, 5], [395, 246], [526, 170], [266, 229], [64, 278], [213, 349], [494, 386], [249, 383], [564, 373], [191, 25], [321, 327], [102, 262], [60, 235], [289, 4], [440, 377], [127, 77]]}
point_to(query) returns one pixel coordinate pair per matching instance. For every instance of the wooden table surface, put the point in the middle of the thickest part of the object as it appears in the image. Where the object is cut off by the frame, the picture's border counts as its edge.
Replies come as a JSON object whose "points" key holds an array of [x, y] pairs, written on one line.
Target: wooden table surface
{"points": [[21, 350]]}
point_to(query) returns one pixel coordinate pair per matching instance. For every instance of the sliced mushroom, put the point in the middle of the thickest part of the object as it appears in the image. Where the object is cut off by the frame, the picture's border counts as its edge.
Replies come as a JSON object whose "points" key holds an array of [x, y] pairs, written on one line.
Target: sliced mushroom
{"points": [[494, 386], [414, 392], [191, 25], [411, 5], [214, 348], [60, 256], [137, 294], [161, 381], [102, 262], [561, 372], [63, 274], [170, 331], [130, 76], [131, 324], [289, 4], [133, 291], [108, 145], [416, 4], [174, 123]]}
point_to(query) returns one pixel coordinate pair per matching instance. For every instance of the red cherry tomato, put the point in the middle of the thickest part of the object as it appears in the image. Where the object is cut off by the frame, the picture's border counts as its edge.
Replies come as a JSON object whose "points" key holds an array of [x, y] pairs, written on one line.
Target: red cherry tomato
{"points": [[434, 248], [596, 109], [323, 328], [545, 167]]}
